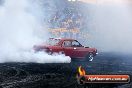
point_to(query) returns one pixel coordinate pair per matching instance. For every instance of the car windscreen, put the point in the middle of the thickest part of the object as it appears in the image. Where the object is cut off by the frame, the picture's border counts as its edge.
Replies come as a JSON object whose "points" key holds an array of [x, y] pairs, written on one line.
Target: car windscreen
{"points": [[53, 41]]}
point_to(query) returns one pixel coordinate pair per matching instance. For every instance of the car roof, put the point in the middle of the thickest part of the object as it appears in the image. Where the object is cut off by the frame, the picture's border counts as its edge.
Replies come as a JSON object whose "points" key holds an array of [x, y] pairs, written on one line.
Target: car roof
{"points": [[63, 38], [67, 39]]}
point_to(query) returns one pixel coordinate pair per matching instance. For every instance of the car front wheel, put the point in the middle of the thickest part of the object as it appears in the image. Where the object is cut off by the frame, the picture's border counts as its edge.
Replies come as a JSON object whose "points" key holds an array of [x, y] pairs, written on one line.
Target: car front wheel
{"points": [[90, 57]]}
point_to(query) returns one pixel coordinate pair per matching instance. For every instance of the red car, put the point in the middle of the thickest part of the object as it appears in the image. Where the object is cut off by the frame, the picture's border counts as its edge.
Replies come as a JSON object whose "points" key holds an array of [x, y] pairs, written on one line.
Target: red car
{"points": [[69, 47]]}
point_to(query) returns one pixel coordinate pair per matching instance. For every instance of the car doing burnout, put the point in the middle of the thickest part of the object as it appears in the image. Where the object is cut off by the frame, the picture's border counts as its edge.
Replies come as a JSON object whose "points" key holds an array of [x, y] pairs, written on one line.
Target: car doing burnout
{"points": [[69, 47]]}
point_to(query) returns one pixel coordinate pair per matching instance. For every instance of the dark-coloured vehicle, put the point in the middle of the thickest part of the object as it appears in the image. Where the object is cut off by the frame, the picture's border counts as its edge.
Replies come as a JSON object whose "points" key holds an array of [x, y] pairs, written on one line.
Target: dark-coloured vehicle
{"points": [[69, 47]]}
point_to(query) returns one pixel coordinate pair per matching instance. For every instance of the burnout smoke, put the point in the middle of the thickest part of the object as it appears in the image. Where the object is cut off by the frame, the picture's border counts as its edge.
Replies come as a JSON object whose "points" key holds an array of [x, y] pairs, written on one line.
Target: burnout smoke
{"points": [[110, 23], [21, 27]]}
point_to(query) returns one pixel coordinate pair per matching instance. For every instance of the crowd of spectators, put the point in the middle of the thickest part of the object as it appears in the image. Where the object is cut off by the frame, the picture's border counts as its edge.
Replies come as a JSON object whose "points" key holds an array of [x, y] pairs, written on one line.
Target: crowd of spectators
{"points": [[68, 18]]}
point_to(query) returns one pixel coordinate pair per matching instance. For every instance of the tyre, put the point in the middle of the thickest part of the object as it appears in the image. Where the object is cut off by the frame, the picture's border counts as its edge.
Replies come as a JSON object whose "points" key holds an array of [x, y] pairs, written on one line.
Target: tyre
{"points": [[90, 57], [50, 53]]}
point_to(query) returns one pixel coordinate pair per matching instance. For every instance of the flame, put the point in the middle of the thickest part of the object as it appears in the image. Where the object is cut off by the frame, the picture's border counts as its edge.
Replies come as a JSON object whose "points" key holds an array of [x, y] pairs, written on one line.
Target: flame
{"points": [[81, 71]]}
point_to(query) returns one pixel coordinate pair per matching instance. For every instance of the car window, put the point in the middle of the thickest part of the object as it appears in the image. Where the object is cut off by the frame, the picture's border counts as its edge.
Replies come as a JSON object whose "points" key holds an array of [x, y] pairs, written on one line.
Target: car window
{"points": [[67, 43], [76, 44]]}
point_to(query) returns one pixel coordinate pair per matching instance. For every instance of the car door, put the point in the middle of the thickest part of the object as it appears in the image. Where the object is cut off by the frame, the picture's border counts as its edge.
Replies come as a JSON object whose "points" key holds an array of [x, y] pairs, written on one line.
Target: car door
{"points": [[78, 49], [68, 50]]}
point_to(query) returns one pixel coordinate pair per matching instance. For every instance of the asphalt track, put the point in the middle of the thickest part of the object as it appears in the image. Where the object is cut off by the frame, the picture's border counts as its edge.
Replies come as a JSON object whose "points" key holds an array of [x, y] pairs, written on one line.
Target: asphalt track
{"points": [[34, 75]]}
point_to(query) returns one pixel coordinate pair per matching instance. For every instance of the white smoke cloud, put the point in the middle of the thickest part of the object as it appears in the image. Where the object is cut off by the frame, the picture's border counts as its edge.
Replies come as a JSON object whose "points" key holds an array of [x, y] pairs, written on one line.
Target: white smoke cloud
{"points": [[21, 27], [111, 27]]}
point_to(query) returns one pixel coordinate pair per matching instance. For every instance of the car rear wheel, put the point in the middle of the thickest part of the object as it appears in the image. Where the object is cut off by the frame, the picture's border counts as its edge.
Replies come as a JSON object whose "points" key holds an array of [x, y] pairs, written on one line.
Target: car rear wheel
{"points": [[50, 53], [90, 57]]}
